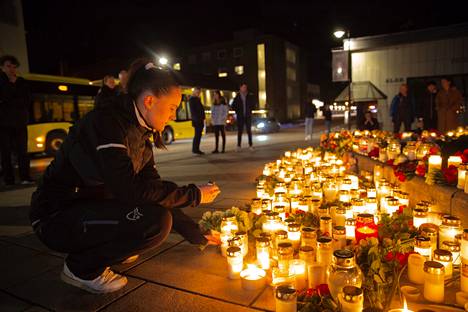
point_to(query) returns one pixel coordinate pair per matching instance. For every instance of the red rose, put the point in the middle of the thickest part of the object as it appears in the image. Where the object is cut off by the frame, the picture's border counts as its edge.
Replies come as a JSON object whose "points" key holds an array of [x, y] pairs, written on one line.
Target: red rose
{"points": [[402, 177], [374, 152], [463, 155], [401, 208], [310, 292], [323, 290], [421, 170], [389, 256], [390, 162], [450, 174], [433, 151]]}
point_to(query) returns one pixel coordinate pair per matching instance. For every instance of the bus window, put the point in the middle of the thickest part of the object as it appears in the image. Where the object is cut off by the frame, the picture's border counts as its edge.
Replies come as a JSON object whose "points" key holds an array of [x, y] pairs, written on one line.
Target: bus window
{"points": [[85, 105], [50, 108]]}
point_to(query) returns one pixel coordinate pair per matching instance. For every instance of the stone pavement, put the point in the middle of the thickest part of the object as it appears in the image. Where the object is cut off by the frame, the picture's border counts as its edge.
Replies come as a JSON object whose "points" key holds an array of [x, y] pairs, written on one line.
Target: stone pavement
{"points": [[174, 277]]}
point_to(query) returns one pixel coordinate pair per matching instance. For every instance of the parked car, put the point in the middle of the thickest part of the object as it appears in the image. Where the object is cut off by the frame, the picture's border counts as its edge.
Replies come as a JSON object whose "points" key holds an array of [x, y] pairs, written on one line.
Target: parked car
{"points": [[265, 125]]}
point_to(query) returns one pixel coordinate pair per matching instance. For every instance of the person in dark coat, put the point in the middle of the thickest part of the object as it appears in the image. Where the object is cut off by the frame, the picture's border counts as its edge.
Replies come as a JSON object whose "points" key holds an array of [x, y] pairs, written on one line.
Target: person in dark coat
{"points": [[310, 111], [401, 110], [243, 104], [427, 110], [370, 123], [327, 115], [107, 94], [448, 101], [15, 101], [101, 200], [197, 112]]}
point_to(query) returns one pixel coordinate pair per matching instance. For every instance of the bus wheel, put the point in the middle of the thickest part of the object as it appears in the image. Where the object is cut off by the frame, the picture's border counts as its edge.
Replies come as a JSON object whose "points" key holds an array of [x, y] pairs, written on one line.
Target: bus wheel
{"points": [[54, 141], [168, 135]]}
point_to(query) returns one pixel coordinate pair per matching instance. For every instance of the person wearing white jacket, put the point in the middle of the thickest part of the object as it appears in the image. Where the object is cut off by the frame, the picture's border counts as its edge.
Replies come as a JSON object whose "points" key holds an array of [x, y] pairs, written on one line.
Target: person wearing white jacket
{"points": [[219, 113]]}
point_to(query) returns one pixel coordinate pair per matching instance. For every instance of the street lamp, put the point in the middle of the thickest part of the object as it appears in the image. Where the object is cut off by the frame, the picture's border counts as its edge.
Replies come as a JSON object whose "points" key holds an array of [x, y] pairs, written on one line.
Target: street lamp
{"points": [[163, 61], [339, 34]]}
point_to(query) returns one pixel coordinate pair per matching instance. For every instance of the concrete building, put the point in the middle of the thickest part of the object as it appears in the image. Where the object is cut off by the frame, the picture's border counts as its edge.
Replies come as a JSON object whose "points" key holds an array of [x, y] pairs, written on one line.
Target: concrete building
{"points": [[414, 57], [274, 69], [12, 33]]}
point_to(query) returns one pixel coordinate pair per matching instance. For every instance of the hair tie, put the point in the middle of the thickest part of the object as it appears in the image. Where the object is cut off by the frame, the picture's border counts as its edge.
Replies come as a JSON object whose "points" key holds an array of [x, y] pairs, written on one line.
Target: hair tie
{"points": [[149, 66]]}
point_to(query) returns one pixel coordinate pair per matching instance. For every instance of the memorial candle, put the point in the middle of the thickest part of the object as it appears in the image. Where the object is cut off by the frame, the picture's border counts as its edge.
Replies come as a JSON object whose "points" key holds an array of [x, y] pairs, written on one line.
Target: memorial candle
{"points": [[416, 268], [324, 250], [419, 217], [444, 257], [256, 206], [252, 278], [435, 163], [450, 227], [350, 226], [462, 169], [371, 205], [263, 252], [298, 268], [434, 281], [423, 247], [317, 274], [365, 227], [294, 234], [235, 262], [454, 248], [229, 225], [309, 237], [326, 226], [307, 253], [351, 299], [464, 246], [454, 161], [285, 299], [339, 237], [285, 254]]}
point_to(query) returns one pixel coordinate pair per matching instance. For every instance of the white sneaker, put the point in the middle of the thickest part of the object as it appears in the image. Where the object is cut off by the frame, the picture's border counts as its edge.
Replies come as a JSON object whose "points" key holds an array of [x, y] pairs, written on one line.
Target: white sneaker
{"points": [[251, 148], [107, 282], [307, 138], [238, 149]]}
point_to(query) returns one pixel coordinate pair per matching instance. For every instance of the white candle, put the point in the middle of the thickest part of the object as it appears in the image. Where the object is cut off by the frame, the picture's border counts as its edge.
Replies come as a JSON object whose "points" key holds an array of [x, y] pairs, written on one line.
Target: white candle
{"points": [[350, 226], [294, 234], [225, 237], [416, 268], [435, 163], [316, 274], [351, 299], [454, 161], [252, 278], [461, 176], [354, 181], [298, 268], [434, 281], [235, 262], [263, 252], [285, 299], [444, 257], [423, 247]]}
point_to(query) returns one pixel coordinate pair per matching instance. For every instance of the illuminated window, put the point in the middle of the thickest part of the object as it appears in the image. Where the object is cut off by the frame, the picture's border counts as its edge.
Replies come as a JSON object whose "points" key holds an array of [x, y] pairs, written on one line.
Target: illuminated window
{"points": [[222, 72], [176, 66], [291, 73], [239, 69], [290, 55], [262, 100], [238, 52]]}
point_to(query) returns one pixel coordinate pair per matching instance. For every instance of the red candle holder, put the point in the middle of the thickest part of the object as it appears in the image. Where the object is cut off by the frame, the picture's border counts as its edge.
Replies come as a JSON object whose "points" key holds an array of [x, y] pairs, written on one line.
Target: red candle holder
{"points": [[365, 227]]}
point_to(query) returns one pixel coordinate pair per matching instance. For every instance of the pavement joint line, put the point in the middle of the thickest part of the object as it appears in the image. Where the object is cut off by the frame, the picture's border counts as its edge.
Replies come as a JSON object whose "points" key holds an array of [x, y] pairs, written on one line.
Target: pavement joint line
{"points": [[258, 296], [32, 277], [194, 293], [121, 297], [40, 252], [25, 300]]}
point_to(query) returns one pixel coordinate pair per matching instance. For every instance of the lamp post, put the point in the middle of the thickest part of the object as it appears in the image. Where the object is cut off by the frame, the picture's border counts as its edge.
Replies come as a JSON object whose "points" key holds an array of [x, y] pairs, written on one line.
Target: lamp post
{"points": [[339, 34], [163, 61]]}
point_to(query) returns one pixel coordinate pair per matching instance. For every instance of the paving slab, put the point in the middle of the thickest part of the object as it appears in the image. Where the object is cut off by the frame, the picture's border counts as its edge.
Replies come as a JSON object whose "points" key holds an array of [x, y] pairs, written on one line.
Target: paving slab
{"points": [[14, 220], [49, 291], [11, 304], [187, 268], [19, 264], [266, 301], [31, 241], [153, 298], [17, 197]]}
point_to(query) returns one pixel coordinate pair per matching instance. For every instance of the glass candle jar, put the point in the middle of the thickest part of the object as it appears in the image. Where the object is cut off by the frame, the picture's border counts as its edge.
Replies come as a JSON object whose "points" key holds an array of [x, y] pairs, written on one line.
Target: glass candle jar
{"points": [[272, 222], [343, 271], [256, 206], [340, 216], [245, 241], [294, 234], [464, 246], [454, 248], [419, 217], [392, 205], [314, 205], [450, 227], [236, 241], [444, 257], [323, 212], [285, 254], [434, 281], [330, 191], [326, 226], [285, 298], [403, 198], [350, 226], [351, 299], [348, 210], [461, 176], [371, 192], [309, 237], [365, 227], [324, 250], [299, 269], [371, 205], [434, 163], [422, 245], [263, 252], [266, 204], [432, 231], [416, 268], [303, 205], [346, 184], [235, 262], [339, 237], [281, 199], [229, 225], [358, 206], [384, 189], [281, 210], [344, 196], [307, 253], [261, 191]]}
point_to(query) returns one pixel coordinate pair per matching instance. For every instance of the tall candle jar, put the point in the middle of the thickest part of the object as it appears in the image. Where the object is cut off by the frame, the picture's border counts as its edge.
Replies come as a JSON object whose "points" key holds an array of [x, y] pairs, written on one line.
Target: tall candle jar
{"points": [[434, 288], [371, 192], [403, 198], [419, 217], [434, 163], [393, 205], [285, 254], [444, 257], [454, 248], [281, 210], [266, 204], [229, 225], [365, 227], [343, 271], [432, 231], [340, 216], [454, 161], [307, 253], [450, 227], [339, 237], [330, 191], [422, 245], [272, 222], [416, 268], [348, 210], [344, 196], [346, 184], [309, 237], [235, 262], [351, 299], [324, 250], [279, 237], [314, 205], [464, 246], [256, 206], [350, 226], [326, 226], [263, 252], [285, 299], [462, 169], [298, 267], [358, 206], [245, 241], [371, 205], [294, 234]]}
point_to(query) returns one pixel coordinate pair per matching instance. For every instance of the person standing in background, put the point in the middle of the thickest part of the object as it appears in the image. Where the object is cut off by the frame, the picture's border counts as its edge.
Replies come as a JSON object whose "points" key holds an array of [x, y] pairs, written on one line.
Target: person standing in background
{"points": [[327, 114], [123, 78], [448, 102], [219, 113], [198, 119], [15, 99], [107, 94], [401, 110], [243, 104], [310, 111], [427, 112]]}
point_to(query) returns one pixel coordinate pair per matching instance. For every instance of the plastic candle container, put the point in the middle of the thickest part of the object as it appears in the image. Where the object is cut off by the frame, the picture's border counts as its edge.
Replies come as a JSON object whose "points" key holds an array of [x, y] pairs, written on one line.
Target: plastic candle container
{"points": [[450, 227], [434, 288], [444, 257], [235, 262]]}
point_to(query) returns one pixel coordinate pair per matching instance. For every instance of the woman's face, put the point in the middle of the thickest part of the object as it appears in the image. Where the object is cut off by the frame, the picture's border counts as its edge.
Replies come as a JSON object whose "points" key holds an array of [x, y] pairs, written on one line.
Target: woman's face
{"points": [[161, 109]]}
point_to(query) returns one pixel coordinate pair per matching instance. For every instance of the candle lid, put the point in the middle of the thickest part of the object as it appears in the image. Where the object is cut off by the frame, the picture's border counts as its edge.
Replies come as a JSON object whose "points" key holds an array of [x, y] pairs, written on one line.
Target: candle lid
{"points": [[422, 242], [392, 201], [418, 212], [465, 234], [350, 222], [315, 201], [357, 202], [233, 251], [346, 181], [241, 233], [430, 229], [323, 210], [308, 229], [325, 219], [266, 201], [434, 267], [442, 255], [451, 220], [285, 292], [343, 192], [263, 241], [403, 195], [281, 234], [294, 227], [343, 258], [324, 241], [284, 245], [352, 294], [256, 199], [339, 230], [347, 206], [371, 200], [279, 208], [422, 206], [451, 246], [272, 215], [365, 218], [265, 234], [340, 210], [306, 249], [235, 241], [371, 190]]}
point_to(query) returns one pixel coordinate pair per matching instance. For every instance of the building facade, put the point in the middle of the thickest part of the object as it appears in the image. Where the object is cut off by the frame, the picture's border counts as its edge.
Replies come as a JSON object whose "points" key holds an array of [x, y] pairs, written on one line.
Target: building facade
{"points": [[274, 70], [414, 58]]}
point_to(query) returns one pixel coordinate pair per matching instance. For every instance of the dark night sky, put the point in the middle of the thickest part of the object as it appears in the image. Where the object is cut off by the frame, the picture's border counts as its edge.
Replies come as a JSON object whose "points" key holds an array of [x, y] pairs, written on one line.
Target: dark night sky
{"points": [[87, 32]]}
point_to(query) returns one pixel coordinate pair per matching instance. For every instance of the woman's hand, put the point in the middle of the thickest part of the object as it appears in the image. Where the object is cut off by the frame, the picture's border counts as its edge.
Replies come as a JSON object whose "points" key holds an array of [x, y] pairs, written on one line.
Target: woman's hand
{"points": [[213, 239], [208, 193]]}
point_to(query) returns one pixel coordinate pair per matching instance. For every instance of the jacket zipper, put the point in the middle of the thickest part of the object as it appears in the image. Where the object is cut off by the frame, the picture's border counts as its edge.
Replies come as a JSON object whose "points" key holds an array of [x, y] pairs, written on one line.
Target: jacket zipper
{"points": [[98, 222]]}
